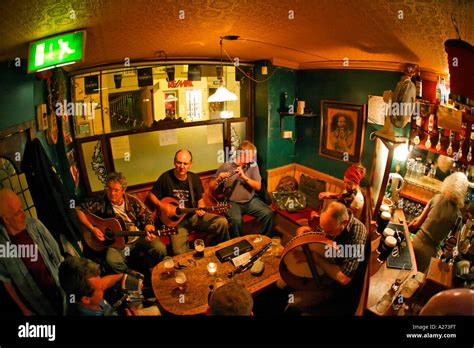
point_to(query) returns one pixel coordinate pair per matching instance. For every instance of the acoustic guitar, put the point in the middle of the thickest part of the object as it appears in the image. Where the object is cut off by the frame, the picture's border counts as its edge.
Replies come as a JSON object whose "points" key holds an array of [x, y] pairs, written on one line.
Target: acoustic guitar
{"points": [[178, 214], [112, 229]]}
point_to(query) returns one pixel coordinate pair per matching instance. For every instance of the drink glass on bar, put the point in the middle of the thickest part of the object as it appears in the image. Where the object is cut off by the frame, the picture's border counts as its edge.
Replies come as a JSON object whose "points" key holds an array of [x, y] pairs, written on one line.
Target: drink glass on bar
{"points": [[386, 248], [382, 221], [386, 233]]}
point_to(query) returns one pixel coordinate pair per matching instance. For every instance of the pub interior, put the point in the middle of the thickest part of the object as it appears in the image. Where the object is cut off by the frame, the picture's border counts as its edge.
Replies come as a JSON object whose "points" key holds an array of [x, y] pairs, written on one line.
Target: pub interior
{"points": [[320, 151]]}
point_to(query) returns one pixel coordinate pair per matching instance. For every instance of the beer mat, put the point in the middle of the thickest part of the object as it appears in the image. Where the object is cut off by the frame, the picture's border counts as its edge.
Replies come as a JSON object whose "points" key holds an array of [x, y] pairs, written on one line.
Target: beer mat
{"points": [[403, 261]]}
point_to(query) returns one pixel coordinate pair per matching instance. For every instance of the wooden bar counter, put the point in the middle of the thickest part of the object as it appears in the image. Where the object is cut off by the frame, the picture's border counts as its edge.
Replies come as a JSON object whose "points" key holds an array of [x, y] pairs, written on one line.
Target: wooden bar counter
{"points": [[382, 277], [194, 300]]}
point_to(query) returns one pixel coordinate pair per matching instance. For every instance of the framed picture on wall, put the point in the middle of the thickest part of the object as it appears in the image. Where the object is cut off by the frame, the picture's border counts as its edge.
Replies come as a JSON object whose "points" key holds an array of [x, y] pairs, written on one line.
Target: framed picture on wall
{"points": [[171, 104], [342, 131]]}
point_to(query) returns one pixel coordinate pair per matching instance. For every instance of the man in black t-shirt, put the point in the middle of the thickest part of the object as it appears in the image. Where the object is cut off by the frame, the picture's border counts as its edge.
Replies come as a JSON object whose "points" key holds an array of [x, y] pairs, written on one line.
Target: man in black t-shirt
{"points": [[176, 183]]}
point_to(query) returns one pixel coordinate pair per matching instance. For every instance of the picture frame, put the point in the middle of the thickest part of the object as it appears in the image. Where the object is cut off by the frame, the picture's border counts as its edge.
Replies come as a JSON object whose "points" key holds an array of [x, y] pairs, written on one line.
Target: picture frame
{"points": [[342, 131], [171, 104]]}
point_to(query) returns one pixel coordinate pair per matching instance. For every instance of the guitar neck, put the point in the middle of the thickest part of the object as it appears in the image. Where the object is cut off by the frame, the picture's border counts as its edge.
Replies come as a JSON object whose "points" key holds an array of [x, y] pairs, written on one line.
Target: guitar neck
{"points": [[138, 233], [192, 210]]}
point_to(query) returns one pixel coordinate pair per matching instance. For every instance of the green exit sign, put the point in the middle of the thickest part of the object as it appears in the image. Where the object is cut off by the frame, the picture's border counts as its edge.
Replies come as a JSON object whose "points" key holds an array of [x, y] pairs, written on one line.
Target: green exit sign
{"points": [[56, 51]]}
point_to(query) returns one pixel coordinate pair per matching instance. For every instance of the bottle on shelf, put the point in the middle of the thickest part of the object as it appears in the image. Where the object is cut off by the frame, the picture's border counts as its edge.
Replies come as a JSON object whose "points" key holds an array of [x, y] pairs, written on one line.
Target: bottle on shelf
{"points": [[428, 142], [443, 92], [431, 123], [451, 241], [416, 79], [438, 145], [438, 91]]}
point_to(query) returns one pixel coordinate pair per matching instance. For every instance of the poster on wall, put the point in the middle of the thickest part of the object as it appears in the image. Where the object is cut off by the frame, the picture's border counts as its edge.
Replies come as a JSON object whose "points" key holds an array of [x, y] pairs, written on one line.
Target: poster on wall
{"points": [[171, 104]]}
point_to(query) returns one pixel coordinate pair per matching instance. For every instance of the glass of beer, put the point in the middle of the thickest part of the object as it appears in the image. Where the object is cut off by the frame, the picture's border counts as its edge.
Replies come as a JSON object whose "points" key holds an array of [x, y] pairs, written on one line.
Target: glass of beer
{"points": [[276, 248], [181, 280], [199, 247], [169, 265], [388, 232], [382, 221], [386, 248]]}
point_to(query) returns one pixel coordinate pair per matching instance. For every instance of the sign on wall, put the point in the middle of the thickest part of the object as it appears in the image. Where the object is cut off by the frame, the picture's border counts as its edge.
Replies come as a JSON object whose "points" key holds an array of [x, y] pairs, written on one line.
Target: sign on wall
{"points": [[56, 51]]}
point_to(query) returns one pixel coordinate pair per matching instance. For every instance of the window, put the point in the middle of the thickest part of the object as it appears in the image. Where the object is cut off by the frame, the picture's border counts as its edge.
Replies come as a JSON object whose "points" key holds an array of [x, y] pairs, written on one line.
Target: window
{"points": [[115, 100]]}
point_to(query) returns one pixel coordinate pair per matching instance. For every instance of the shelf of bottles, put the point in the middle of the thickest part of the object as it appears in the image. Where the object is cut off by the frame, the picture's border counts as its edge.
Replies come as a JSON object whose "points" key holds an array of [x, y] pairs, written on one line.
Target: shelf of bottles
{"points": [[457, 142]]}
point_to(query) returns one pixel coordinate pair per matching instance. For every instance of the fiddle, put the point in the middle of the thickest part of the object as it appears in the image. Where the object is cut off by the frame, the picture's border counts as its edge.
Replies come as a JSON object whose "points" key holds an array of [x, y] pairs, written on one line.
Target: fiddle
{"points": [[346, 198]]}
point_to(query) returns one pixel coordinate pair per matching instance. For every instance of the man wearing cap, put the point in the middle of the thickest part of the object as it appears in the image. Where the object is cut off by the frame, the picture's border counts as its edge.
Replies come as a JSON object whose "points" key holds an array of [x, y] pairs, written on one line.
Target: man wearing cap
{"points": [[351, 197]]}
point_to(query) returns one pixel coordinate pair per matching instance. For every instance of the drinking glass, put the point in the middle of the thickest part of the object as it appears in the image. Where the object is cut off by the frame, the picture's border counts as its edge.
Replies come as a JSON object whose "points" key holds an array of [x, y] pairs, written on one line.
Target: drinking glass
{"points": [[276, 246], [181, 280], [199, 247], [169, 265]]}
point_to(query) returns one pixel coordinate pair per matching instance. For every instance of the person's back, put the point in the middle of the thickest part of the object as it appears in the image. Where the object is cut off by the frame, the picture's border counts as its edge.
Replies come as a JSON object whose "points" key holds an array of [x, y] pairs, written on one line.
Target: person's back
{"points": [[440, 219]]}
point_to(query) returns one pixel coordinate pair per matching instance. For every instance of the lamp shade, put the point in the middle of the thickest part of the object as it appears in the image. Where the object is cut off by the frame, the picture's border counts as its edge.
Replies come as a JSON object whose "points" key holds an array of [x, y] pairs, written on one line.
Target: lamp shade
{"points": [[221, 95], [461, 67]]}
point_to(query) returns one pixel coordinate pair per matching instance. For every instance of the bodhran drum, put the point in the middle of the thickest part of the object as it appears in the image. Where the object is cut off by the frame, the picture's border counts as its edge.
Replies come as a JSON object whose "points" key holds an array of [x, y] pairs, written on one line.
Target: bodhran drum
{"points": [[297, 260]]}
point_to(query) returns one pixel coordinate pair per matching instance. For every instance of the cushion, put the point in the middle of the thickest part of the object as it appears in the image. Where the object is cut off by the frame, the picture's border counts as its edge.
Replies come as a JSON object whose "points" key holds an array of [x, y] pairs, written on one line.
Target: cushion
{"points": [[312, 188]]}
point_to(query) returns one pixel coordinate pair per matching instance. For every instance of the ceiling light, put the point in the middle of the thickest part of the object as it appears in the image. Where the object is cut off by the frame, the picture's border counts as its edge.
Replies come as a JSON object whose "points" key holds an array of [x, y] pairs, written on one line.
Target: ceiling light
{"points": [[222, 94]]}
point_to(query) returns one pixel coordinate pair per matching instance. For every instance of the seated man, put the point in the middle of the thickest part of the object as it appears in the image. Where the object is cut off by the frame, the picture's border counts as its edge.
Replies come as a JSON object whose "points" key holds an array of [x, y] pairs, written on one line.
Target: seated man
{"points": [[350, 236], [230, 299], [115, 203], [31, 275], [240, 190], [186, 188], [80, 278]]}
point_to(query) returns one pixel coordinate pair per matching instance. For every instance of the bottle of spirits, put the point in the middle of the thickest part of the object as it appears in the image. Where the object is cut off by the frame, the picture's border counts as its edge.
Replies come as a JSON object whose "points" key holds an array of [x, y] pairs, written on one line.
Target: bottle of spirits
{"points": [[451, 241], [438, 91], [418, 84]]}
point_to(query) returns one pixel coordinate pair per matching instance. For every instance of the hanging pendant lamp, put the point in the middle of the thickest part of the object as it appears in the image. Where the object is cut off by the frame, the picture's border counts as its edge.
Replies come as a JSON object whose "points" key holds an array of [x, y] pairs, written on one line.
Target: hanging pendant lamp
{"points": [[222, 94]]}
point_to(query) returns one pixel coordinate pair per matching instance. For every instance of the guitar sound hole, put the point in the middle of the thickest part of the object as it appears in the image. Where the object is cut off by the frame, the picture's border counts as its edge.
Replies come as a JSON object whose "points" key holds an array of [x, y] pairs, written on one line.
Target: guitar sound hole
{"points": [[109, 236]]}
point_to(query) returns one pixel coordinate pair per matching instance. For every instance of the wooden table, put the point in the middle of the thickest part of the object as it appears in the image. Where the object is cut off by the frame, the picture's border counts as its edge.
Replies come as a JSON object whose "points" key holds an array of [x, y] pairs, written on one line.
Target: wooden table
{"points": [[194, 299], [381, 280]]}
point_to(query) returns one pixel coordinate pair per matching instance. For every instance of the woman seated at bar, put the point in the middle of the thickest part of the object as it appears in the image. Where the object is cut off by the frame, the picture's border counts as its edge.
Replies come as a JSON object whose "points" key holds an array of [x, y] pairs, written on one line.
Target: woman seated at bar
{"points": [[351, 197], [438, 218]]}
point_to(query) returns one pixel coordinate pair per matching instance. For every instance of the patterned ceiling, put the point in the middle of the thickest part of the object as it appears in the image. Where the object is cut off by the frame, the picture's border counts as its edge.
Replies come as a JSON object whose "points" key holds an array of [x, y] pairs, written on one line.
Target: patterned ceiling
{"points": [[303, 33]]}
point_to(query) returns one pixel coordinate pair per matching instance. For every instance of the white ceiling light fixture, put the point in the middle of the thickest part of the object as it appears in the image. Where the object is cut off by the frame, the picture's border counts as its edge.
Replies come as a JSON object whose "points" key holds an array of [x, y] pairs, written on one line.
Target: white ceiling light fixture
{"points": [[222, 94]]}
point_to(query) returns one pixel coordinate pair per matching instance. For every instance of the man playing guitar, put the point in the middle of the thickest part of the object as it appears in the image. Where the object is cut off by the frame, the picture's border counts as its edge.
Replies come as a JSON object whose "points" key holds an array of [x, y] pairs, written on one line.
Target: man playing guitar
{"points": [[186, 188], [118, 204]]}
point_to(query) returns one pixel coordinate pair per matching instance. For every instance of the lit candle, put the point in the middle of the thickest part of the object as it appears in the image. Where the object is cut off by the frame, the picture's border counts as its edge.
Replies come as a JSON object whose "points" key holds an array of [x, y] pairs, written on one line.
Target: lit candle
{"points": [[211, 268]]}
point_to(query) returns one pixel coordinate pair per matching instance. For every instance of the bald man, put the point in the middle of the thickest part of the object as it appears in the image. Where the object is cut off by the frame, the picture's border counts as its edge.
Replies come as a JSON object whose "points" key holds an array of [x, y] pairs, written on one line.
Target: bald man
{"points": [[349, 235], [29, 260], [186, 188]]}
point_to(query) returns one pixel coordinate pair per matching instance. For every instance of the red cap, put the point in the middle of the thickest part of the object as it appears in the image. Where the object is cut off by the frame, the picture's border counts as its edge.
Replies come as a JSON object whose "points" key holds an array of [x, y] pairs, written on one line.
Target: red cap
{"points": [[354, 174]]}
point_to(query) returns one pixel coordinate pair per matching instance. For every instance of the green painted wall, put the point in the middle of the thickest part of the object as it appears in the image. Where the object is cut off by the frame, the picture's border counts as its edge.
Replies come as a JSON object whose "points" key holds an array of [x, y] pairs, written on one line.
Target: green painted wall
{"points": [[273, 150], [19, 94], [351, 86]]}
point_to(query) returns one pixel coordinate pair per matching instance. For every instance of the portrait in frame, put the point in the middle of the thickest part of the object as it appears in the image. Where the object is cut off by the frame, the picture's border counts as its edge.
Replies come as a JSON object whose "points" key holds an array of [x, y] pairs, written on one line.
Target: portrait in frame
{"points": [[342, 131]]}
